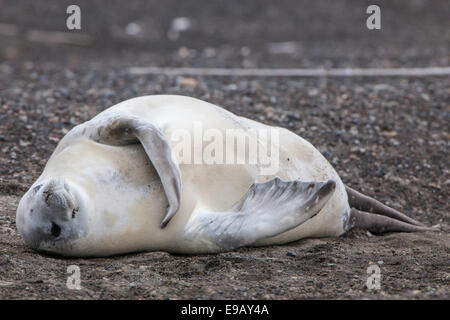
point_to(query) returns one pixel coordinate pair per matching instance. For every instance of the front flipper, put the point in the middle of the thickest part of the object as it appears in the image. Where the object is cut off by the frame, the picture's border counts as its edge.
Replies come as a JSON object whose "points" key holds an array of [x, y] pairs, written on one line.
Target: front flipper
{"points": [[123, 129], [266, 210]]}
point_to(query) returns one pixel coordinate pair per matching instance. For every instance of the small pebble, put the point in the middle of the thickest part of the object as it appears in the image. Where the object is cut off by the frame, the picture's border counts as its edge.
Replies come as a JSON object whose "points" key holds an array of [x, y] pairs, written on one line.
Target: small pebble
{"points": [[291, 254]]}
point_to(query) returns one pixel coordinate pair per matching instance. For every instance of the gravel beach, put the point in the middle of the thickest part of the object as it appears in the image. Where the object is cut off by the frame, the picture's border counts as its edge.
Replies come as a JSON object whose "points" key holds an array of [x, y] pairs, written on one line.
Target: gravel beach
{"points": [[386, 136]]}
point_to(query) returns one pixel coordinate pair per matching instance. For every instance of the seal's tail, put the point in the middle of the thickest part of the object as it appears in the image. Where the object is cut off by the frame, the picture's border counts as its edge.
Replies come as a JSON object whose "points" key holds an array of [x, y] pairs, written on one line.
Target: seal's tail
{"points": [[370, 214]]}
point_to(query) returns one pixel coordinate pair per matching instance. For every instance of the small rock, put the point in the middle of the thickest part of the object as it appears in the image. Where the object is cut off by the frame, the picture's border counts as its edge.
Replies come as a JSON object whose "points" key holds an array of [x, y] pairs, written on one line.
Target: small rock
{"points": [[181, 24], [379, 172], [92, 92], [183, 52], [24, 143], [133, 29], [245, 51], [188, 82], [209, 52], [291, 254], [388, 133], [178, 25], [287, 47], [425, 97], [381, 86], [108, 93], [231, 87]]}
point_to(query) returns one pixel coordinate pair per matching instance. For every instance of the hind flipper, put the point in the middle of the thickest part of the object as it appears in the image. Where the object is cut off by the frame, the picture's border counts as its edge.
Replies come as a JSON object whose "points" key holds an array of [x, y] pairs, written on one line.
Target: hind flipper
{"points": [[266, 210], [362, 202], [376, 223]]}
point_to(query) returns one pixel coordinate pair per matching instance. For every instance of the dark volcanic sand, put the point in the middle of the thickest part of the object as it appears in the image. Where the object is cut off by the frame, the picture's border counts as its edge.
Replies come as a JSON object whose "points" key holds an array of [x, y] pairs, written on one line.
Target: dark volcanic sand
{"points": [[388, 137]]}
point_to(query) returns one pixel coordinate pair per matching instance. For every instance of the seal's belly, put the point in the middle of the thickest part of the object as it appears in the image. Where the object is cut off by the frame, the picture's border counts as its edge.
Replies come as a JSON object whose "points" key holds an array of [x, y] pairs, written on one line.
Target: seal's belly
{"points": [[209, 186], [217, 187]]}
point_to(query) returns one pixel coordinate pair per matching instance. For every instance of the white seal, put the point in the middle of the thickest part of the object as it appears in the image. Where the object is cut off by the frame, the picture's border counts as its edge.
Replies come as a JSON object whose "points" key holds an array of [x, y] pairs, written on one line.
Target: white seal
{"points": [[115, 185]]}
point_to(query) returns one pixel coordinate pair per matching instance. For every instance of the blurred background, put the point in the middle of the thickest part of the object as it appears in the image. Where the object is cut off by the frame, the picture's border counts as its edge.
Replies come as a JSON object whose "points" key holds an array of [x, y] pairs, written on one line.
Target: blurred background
{"points": [[252, 33]]}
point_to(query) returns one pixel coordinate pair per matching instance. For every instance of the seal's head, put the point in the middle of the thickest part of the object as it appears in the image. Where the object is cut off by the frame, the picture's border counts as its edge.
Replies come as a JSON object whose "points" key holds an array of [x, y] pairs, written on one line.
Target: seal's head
{"points": [[52, 216]]}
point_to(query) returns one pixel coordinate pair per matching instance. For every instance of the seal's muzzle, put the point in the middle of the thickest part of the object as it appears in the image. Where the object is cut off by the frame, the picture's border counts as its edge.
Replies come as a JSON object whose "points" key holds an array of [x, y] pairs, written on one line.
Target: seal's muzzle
{"points": [[48, 213]]}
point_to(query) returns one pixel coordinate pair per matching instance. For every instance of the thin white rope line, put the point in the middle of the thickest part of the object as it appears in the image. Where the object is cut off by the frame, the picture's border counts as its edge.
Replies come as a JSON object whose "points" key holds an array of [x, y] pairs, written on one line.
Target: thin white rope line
{"points": [[339, 72]]}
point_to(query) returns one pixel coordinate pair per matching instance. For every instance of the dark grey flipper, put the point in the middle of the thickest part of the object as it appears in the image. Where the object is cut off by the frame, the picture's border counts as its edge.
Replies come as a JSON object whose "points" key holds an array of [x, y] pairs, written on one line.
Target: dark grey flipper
{"points": [[266, 210], [376, 223], [362, 202], [123, 129]]}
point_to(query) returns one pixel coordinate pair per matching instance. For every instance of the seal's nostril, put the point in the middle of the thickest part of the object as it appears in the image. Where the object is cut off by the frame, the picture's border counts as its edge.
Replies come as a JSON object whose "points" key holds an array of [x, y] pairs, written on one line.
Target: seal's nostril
{"points": [[56, 230], [74, 212]]}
